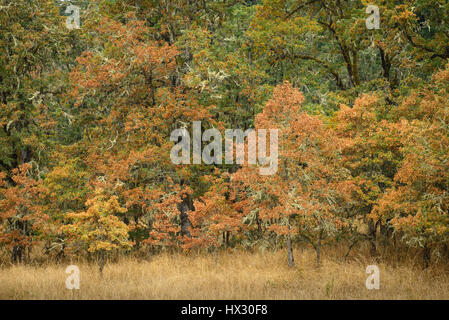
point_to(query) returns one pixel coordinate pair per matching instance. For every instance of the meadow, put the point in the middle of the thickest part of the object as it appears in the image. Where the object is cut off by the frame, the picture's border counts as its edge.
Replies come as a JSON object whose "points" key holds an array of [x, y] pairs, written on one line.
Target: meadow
{"points": [[227, 275]]}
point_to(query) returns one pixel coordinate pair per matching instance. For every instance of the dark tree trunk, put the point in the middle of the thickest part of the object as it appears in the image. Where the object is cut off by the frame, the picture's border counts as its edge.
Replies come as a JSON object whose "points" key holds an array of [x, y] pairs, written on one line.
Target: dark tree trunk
{"points": [[185, 222], [386, 232], [28, 255], [318, 250], [150, 252], [259, 226], [216, 254], [386, 63], [102, 262], [25, 156], [445, 250], [426, 256], [372, 237], [17, 254], [291, 260]]}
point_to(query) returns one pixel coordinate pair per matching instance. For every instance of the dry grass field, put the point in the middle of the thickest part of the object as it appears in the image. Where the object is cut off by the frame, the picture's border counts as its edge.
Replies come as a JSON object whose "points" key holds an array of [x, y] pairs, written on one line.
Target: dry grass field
{"points": [[227, 276]]}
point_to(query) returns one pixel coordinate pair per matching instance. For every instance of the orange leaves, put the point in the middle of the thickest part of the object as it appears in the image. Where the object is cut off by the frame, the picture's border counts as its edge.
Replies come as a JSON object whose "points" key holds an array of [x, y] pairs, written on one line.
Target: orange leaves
{"points": [[216, 212], [311, 188], [279, 230], [360, 117], [286, 101], [21, 209], [418, 202], [442, 77], [154, 56], [130, 104]]}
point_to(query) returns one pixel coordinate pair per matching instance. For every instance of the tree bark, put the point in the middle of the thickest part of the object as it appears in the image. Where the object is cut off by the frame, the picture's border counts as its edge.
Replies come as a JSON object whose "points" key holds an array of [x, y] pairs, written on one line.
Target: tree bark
{"points": [[318, 250], [102, 262], [426, 256], [259, 226], [291, 260], [372, 237], [17, 254], [150, 253], [185, 222]]}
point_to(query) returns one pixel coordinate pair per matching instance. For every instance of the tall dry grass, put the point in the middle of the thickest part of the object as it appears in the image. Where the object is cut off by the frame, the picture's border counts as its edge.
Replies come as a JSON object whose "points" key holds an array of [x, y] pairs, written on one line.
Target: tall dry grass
{"points": [[225, 276]]}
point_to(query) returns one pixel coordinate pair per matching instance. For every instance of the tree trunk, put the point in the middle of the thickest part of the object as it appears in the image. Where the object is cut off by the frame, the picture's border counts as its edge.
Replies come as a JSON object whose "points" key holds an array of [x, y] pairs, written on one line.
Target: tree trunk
{"points": [[259, 226], [102, 262], [17, 254], [291, 260], [185, 222], [28, 256], [426, 256], [216, 254], [318, 250], [149, 253], [372, 237], [385, 232], [445, 250]]}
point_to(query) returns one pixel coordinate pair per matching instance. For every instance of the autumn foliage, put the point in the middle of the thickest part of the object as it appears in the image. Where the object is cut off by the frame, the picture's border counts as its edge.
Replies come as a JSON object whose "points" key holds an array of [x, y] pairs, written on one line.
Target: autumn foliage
{"points": [[362, 120]]}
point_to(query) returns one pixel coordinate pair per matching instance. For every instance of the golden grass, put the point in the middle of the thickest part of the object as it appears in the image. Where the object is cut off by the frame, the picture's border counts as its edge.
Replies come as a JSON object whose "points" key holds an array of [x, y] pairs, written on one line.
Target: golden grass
{"points": [[229, 276]]}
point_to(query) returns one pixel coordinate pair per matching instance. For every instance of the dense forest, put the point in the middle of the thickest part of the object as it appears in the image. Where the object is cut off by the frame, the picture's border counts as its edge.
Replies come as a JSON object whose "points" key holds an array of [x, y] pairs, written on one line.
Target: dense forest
{"points": [[87, 115]]}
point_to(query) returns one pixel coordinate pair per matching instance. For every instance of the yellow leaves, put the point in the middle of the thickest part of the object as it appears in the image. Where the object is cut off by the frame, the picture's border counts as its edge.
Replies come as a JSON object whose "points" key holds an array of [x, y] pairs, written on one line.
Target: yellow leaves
{"points": [[404, 13], [102, 246], [98, 227]]}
